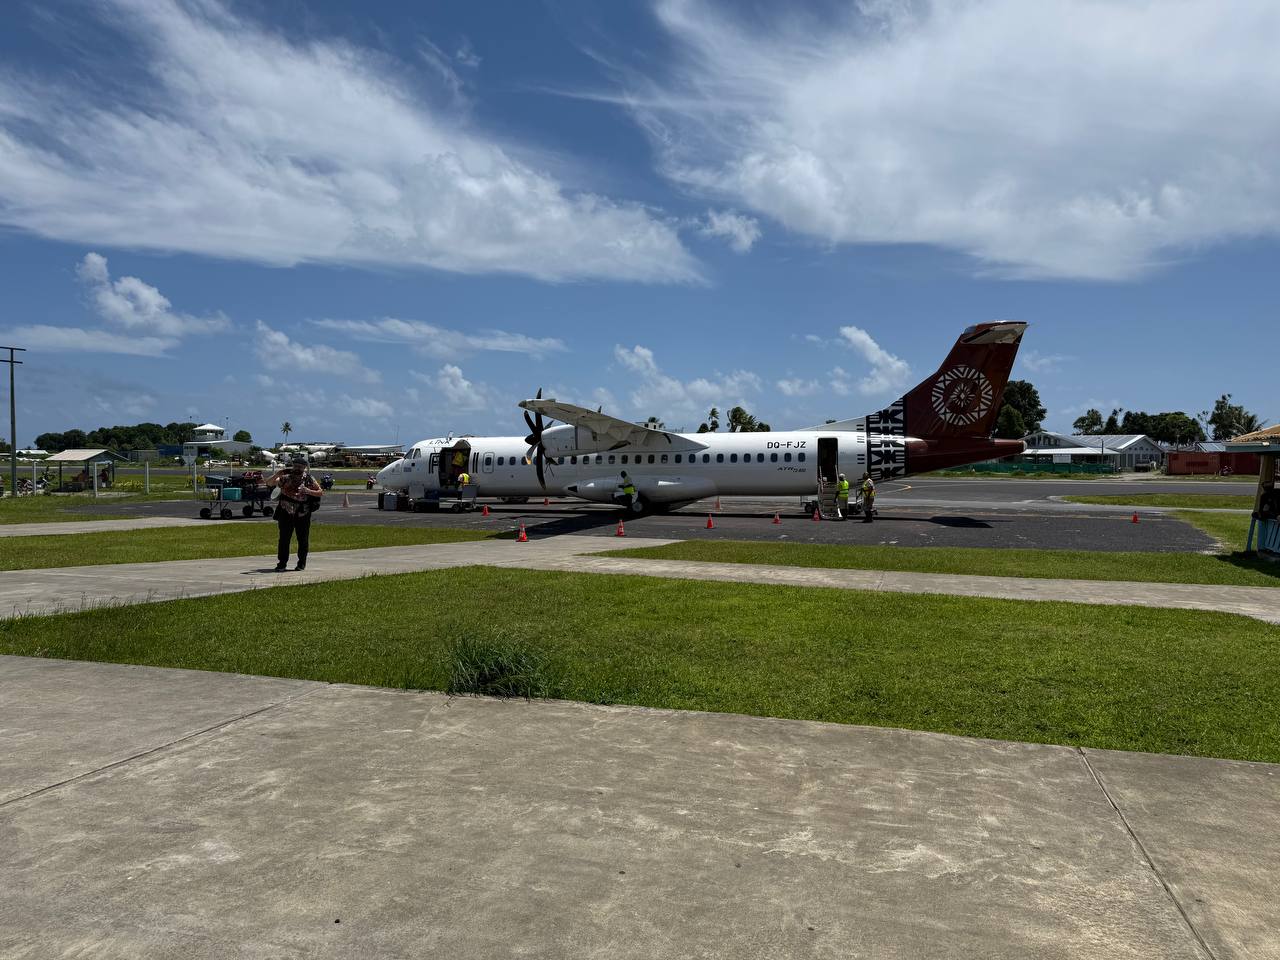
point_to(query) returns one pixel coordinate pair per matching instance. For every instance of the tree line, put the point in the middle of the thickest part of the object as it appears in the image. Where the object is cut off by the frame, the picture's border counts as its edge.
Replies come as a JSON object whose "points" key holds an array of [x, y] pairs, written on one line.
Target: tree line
{"points": [[1224, 421], [139, 436]]}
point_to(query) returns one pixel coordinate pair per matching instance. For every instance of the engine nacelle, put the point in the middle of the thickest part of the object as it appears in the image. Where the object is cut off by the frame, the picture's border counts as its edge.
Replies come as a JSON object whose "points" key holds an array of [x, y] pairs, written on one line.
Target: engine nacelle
{"points": [[566, 440]]}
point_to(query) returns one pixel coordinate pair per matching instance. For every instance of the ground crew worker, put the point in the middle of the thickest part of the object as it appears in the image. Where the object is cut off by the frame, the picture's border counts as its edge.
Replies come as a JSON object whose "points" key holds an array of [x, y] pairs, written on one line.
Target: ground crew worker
{"points": [[628, 490], [868, 497], [842, 498], [463, 479]]}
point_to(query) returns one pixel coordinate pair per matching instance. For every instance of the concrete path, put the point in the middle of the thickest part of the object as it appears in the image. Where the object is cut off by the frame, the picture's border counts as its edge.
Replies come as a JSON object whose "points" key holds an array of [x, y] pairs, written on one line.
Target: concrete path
{"points": [[100, 526], [168, 813], [1263, 603], [74, 588]]}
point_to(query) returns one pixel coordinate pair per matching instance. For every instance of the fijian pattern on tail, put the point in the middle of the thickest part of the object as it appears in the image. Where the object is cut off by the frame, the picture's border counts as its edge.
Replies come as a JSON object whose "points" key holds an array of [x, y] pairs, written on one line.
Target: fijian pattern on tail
{"points": [[955, 407]]}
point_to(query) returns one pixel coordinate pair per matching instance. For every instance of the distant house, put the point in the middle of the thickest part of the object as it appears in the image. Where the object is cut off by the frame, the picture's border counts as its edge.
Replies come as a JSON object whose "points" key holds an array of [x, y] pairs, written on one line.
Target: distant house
{"points": [[205, 438], [1122, 451]]}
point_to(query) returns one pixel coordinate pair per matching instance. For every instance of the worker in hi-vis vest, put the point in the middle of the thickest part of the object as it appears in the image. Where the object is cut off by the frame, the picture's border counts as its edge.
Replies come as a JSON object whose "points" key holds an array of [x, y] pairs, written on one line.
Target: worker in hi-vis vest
{"points": [[628, 490], [868, 497], [842, 497], [464, 478]]}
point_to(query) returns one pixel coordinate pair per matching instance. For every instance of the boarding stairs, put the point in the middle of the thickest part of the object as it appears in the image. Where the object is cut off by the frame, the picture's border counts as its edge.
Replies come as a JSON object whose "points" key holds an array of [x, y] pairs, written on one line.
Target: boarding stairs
{"points": [[827, 508]]}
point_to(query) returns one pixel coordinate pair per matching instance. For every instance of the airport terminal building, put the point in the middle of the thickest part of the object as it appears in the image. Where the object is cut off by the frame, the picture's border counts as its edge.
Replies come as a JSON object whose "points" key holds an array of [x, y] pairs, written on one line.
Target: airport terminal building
{"points": [[1122, 451]]}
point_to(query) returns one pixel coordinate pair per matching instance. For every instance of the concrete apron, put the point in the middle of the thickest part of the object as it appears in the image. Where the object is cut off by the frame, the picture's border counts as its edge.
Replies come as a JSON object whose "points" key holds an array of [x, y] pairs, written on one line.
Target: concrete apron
{"points": [[169, 813]]}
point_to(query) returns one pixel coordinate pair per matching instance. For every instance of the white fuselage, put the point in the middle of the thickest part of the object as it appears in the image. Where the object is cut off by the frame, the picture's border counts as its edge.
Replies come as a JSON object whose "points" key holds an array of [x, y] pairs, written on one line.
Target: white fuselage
{"points": [[689, 467]]}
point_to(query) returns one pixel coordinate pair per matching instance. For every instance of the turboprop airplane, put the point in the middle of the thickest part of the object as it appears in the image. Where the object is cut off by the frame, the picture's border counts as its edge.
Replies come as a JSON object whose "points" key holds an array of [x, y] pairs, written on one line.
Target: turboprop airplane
{"points": [[945, 421]]}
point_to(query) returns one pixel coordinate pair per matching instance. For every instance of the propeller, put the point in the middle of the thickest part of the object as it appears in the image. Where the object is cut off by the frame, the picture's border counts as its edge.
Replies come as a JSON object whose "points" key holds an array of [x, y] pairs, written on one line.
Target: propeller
{"points": [[537, 452]]}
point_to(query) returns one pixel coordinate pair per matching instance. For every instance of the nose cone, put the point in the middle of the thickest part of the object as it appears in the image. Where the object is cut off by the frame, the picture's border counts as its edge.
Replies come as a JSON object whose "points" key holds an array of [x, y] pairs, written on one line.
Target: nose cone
{"points": [[386, 473]]}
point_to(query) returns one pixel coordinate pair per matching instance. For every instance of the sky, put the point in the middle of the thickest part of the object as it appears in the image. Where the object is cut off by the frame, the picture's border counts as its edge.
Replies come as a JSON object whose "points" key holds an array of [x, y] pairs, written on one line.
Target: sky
{"points": [[391, 220]]}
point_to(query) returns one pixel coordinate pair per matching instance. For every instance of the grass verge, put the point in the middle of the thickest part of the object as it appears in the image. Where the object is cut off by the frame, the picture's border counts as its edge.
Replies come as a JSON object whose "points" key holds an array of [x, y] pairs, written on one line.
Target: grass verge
{"points": [[1189, 501], [1235, 569], [1229, 529], [1170, 681], [200, 543]]}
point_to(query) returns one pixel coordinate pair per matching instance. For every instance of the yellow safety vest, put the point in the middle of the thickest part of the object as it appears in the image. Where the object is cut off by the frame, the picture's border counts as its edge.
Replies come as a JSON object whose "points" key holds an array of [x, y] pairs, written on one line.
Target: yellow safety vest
{"points": [[868, 488], [629, 489], [842, 489], [464, 478]]}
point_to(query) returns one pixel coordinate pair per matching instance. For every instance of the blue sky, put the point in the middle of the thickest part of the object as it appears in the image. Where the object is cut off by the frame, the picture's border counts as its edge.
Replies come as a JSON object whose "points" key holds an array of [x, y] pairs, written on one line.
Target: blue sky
{"points": [[390, 220]]}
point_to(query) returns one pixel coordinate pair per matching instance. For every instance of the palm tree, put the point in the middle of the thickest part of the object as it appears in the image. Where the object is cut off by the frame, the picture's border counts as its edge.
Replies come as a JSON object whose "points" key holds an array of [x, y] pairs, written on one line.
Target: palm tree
{"points": [[286, 428]]}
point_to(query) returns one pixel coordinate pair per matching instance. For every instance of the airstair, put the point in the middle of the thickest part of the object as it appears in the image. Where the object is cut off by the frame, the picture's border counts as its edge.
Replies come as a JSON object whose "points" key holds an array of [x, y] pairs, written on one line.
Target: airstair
{"points": [[827, 508]]}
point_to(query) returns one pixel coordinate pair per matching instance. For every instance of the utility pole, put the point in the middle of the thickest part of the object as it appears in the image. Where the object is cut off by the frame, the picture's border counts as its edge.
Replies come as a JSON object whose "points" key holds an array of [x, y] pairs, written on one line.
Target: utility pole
{"points": [[13, 361]]}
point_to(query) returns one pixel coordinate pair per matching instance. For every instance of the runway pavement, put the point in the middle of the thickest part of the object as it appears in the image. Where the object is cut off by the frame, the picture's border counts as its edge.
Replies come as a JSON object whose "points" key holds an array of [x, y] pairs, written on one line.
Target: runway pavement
{"points": [[939, 513], [169, 813]]}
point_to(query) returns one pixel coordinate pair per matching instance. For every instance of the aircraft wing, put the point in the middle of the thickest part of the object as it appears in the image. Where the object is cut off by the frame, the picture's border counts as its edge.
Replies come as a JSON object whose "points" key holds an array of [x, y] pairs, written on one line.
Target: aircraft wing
{"points": [[612, 430]]}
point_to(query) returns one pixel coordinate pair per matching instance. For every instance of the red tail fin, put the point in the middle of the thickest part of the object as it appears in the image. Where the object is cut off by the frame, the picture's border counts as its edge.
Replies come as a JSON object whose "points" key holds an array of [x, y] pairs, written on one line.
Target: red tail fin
{"points": [[962, 398]]}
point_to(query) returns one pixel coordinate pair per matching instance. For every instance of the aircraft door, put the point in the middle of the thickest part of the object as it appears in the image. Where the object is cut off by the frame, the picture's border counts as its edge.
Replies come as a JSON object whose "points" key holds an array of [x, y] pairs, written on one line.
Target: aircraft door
{"points": [[828, 458], [486, 462]]}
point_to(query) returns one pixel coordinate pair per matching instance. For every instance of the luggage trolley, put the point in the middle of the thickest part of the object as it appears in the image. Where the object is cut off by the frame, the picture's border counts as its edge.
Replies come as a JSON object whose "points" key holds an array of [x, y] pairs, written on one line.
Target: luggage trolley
{"points": [[246, 491]]}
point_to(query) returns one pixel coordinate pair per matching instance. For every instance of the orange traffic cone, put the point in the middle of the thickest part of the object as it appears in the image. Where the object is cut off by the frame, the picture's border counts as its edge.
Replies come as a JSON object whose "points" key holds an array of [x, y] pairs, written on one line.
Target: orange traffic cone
{"points": [[485, 511], [816, 515], [1135, 519], [710, 525], [776, 518], [524, 537], [346, 499], [621, 531]]}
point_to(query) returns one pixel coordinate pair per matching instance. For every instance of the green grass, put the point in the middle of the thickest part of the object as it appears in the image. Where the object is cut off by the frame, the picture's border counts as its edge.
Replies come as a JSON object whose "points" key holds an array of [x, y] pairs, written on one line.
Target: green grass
{"points": [[1067, 564], [1125, 678], [1229, 529], [199, 543], [1189, 501]]}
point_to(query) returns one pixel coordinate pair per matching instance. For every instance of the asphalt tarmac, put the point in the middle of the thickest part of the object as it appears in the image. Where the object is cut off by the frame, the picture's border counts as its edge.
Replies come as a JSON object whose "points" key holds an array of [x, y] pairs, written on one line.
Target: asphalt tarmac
{"points": [[914, 512]]}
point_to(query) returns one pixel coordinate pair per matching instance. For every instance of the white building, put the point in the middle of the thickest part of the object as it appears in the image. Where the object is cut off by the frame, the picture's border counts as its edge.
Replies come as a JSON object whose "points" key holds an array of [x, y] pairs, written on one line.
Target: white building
{"points": [[1123, 451], [206, 437]]}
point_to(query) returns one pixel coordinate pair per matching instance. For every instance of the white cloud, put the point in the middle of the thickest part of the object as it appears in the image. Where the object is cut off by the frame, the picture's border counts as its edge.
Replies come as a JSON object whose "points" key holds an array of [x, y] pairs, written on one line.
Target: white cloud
{"points": [[1038, 362], [79, 339], [672, 400], [442, 342], [278, 352], [1064, 138], [237, 142], [888, 373], [133, 305], [740, 232], [797, 387], [366, 407], [841, 382], [454, 391]]}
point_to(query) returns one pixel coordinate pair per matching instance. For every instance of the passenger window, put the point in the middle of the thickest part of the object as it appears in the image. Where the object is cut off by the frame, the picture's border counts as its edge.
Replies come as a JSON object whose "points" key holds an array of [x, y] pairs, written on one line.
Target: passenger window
{"points": [[786, 457], [706, 457], [733, 458], [611, 458], [624, 458], [678, 456], [773, 457], [800, 457], [599, 459], [759, 458], [719, 458], [488, 460], [501, 461], [573, 460], [664, 457]]}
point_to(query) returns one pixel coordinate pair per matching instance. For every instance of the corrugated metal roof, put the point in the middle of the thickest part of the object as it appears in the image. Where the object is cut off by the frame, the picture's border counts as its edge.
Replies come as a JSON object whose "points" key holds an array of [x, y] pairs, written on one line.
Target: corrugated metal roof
{"points": [[1113, 441], [83, 455], [1211, 446]]}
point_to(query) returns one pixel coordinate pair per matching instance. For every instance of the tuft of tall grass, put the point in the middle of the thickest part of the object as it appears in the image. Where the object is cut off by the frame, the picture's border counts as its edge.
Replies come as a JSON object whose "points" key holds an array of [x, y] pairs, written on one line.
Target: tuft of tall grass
{"points": [[498, 665]]}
